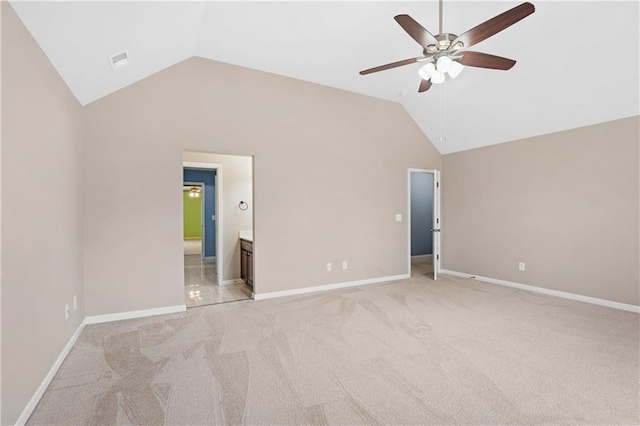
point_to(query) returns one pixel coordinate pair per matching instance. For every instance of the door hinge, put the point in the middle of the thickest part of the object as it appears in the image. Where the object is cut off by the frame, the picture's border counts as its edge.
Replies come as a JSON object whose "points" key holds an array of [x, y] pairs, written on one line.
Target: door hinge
{"points": [[437, 184], [437, 220], [437, 257]]}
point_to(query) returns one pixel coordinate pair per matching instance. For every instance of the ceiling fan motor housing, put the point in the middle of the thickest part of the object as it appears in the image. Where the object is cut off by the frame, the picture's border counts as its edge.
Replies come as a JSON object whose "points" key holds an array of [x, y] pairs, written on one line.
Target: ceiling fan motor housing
{"points": [[444, 42]]}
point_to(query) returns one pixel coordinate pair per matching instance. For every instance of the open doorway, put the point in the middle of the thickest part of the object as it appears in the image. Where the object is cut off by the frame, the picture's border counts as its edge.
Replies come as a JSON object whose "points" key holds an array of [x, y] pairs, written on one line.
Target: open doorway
{"points": [[214, 274], [424, 222], [193, 218]]}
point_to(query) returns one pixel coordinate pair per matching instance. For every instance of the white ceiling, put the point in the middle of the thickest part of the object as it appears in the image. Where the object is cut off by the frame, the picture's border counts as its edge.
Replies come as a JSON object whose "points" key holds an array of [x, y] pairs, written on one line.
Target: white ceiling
{"points": [[560, 81]]}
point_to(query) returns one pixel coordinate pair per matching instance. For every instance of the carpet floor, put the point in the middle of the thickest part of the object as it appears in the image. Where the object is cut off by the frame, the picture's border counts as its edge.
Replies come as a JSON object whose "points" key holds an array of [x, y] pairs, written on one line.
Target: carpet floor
{"points": [[455, 351]]}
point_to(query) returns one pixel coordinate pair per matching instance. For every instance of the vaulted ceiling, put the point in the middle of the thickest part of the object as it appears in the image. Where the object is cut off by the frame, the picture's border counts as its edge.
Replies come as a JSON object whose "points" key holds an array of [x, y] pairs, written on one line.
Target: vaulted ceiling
{"points": [[577, 62]]}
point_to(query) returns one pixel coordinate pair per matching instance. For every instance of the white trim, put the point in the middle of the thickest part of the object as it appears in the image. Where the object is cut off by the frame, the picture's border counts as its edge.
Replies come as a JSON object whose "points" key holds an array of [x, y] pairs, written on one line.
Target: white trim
{"points": [[31, 405], [218, 210], [436, 215], [234, 281], [219, 228], [556, 293], [437, 224], [202, 216], [97, 319], [199, 165], [314, 289]]}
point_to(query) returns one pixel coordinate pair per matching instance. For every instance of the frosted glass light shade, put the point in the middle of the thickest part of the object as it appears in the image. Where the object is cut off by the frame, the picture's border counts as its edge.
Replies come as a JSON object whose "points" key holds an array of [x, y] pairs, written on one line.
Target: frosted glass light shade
{"points": [[437, 77], [427, 70], [444, 64], [455, 69]]}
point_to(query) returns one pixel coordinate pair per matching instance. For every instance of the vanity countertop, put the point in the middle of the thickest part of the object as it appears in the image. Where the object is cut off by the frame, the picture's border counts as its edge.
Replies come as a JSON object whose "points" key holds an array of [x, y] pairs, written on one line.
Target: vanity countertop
{"points": [[246, 235]]}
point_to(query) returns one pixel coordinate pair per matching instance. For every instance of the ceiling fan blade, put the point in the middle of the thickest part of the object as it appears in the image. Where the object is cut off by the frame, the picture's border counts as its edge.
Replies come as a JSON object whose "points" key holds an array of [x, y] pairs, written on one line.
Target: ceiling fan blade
{"points": [[484, 60], [424, 85], [416, 31], [494, 25], [389, 66]]}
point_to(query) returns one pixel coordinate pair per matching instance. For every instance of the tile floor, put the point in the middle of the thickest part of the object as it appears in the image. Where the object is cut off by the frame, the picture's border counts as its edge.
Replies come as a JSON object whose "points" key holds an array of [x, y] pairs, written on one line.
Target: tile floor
{"points": [[422, 266], [200, 278]]}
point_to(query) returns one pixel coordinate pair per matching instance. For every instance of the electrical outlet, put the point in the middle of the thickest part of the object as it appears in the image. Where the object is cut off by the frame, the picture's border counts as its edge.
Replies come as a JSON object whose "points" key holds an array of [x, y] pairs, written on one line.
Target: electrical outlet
{"points": [[521, 266], [66, 311], [75, 302], [344, 264], [329, 266]]}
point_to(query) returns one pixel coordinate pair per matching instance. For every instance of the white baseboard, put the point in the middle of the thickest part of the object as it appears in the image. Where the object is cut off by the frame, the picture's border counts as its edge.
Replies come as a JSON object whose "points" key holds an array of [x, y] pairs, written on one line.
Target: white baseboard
{"points": [[305, 290], [31, 405], [556, 293], [96, 319], [234, 281]]}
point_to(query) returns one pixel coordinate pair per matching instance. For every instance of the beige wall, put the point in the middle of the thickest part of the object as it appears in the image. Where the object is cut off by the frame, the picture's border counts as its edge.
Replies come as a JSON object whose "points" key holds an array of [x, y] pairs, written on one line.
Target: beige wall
{"points": [[566, 204], [330, 172], [41, 134], [236, 185]]}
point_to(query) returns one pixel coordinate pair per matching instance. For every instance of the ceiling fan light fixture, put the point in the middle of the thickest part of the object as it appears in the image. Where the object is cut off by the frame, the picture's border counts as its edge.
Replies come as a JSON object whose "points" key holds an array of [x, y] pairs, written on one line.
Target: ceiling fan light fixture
{"points": [[437, 77], [455, 69], [444, 64], [193, 192], [427, 70]]}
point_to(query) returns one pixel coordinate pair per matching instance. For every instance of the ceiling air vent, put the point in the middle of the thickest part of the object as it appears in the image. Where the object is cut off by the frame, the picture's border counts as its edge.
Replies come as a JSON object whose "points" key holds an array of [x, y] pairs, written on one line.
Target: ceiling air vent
{"points": [[119, 60]]}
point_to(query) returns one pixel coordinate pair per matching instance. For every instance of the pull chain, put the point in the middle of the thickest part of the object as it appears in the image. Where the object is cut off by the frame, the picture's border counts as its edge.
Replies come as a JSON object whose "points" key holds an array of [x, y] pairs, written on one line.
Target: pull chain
{"points": [[443, 112], [443, 95]]}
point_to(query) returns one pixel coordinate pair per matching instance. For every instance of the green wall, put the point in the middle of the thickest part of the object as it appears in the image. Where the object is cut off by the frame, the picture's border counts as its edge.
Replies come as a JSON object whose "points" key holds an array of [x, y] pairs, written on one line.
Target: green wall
{"points": [[192, 216]]}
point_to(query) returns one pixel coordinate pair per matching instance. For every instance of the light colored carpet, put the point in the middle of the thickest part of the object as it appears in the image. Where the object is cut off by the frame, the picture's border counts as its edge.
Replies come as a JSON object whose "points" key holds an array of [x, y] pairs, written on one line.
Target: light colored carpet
{"points": [[411, 352]]}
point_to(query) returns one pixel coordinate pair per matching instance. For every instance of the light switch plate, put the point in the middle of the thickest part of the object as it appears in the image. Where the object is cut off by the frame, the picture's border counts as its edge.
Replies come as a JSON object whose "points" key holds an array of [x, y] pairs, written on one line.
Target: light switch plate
{"points": [[398, 218]]}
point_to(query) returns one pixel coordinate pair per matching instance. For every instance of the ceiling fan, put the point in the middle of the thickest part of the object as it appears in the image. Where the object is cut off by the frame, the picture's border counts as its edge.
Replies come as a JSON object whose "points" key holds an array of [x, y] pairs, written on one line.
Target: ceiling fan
{"points": [[193, 191], [442, 53]]}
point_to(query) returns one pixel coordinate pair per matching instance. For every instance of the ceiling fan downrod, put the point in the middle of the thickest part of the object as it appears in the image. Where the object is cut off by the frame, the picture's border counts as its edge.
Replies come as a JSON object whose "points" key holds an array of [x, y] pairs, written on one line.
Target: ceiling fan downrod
{"points": [[440, 9]]}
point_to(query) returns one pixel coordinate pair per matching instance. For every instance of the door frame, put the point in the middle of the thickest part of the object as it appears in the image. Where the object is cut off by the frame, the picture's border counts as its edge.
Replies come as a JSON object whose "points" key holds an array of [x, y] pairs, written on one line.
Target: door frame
{"points": [[202, 218], [217, 211], [437, 220]]}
